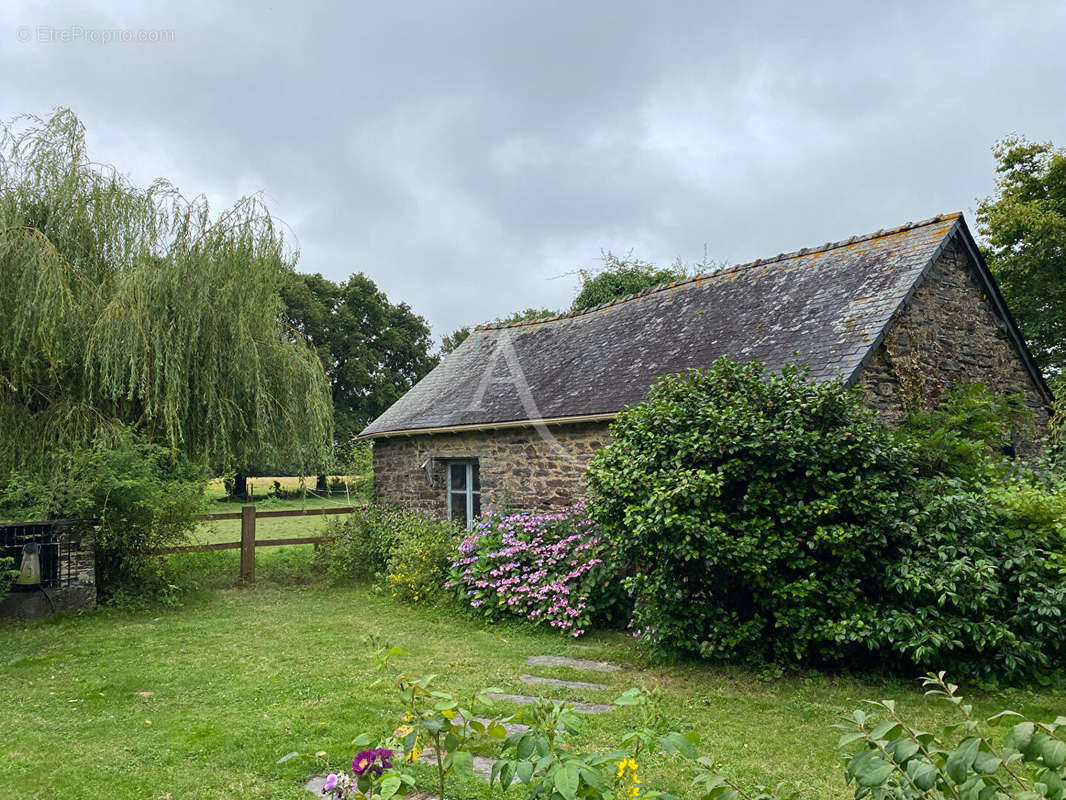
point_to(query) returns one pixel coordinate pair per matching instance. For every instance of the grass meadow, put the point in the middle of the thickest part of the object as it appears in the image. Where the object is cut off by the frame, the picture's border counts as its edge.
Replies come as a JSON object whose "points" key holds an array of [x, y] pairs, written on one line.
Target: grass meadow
{"points": [[201, 700]]}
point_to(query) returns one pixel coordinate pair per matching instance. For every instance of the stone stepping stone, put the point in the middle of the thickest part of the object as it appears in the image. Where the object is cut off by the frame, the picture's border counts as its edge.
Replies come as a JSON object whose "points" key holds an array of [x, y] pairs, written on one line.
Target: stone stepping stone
{"points": [[527, 700], [563, 684], [573, 663]]}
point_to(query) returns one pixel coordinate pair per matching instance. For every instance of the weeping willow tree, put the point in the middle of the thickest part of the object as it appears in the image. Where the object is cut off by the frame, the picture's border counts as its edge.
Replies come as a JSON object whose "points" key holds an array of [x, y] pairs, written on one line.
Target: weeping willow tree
{"points": [[130, 308]]}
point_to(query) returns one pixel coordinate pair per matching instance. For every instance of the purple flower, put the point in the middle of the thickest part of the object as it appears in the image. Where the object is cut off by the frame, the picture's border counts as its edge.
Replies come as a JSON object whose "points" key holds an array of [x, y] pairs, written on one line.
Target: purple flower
{"points": [[373, 761], [331, 783]]}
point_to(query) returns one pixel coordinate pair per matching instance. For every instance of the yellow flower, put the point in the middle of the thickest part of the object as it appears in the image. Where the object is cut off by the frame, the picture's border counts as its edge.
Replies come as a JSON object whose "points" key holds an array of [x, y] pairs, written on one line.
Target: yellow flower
{"points": [[413, 756]]}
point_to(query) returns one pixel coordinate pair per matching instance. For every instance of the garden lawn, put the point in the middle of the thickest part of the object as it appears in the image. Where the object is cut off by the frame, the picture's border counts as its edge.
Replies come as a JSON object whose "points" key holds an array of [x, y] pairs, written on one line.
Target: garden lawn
{"points": [[201, 701]]}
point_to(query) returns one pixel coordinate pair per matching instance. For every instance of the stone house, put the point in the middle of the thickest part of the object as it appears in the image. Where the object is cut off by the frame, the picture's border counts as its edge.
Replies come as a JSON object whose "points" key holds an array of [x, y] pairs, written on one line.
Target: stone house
{"points": [[514, 414]]}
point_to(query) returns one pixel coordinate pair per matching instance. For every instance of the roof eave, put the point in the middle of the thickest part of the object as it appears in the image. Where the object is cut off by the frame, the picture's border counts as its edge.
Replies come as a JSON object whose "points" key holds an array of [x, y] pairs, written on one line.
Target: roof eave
{"points": [[489, 426]]}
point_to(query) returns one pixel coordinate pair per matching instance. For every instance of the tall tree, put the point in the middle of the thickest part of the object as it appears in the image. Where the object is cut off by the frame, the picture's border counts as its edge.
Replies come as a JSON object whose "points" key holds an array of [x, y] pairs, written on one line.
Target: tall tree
{"points": [[1024, 228], [123, 307], [373, 350]]}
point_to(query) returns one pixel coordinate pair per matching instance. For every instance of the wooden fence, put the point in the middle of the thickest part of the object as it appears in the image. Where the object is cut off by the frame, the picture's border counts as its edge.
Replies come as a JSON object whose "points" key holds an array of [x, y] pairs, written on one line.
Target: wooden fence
{"points": [[248, 542]]}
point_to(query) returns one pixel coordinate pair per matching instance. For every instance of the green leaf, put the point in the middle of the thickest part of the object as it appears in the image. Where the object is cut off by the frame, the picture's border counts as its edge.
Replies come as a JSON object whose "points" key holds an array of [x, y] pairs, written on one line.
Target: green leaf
{"points": [[1053, 752], [873, 772], [463, 762], [630, 697], [567, 780], [986, 763], [389, 786], [923, 774], [674, 742], [525, 746], [961, 761], [525, 771], [362, 740], [1019, 737], [903, 749], [884, 729], [508, 772], [286, 757]]}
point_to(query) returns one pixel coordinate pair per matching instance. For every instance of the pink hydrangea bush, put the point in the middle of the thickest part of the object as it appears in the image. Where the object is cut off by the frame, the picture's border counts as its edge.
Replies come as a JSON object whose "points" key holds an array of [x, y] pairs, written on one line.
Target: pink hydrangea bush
{"points": [[548, 568]]}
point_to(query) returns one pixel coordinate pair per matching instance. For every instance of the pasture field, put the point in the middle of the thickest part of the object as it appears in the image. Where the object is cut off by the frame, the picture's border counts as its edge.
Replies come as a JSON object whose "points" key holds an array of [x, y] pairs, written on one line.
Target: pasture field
{"points": [[279, 528]]}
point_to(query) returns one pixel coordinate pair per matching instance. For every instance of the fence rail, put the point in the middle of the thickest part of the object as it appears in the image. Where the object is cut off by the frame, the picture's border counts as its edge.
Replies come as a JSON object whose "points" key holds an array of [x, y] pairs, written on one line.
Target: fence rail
{"points": [[248, 515]]}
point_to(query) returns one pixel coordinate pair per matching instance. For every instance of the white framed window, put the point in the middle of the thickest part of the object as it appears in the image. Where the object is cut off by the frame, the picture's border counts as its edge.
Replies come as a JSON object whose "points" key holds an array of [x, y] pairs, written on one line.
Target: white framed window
{"points": [[464, 492]]}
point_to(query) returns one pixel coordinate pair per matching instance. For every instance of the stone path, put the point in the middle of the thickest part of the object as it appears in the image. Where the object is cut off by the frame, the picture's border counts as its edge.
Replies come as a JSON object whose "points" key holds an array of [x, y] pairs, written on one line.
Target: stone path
{"points": [[573, 663], [596, 687], [483, 764], [528, 700]]}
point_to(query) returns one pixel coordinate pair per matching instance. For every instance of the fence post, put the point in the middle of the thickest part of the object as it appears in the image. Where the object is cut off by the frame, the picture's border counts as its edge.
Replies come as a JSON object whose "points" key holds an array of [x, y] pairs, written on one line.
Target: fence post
{"points": [[248, 544]]}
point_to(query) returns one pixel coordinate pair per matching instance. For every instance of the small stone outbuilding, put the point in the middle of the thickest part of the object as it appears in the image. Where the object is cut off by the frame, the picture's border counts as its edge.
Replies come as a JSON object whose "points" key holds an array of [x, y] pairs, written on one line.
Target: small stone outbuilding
{"points": [[514, 414]]}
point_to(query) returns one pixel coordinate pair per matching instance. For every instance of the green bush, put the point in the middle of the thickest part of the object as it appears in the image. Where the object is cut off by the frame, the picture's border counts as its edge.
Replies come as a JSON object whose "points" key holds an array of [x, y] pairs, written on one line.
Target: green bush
{"points": [[365, 539], [141, 495], [418, 564], [7, 574], [965, 435], [406, 551], [968, 586], [755, 509]]}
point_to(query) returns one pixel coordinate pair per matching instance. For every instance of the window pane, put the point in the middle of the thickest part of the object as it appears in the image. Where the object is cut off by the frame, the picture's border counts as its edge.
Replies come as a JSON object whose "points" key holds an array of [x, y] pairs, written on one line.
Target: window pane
{"points": [[477, 505], [459, 507], [458, 476], [477, 477]]}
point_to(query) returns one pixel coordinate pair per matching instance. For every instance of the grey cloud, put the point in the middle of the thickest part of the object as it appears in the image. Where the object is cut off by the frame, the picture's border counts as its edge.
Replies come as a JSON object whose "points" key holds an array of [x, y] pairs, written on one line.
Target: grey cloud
{"points": [[465, 154]]}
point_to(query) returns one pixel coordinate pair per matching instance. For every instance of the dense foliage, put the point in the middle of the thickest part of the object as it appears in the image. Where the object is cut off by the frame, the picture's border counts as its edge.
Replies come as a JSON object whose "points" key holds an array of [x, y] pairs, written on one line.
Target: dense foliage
{"points": [[551, 568], [418, 564], [363, 543], [771, 518], [129, 307], [1024, 227], [140, 494], [7, 574], [621, 276], [969, 584], [756, 512], [406, 552], [373, 350]]}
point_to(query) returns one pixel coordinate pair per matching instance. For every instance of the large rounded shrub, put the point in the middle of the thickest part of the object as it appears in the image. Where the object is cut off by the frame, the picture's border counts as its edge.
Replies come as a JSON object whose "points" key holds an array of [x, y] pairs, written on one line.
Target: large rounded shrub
{"points": [[756, 510]]}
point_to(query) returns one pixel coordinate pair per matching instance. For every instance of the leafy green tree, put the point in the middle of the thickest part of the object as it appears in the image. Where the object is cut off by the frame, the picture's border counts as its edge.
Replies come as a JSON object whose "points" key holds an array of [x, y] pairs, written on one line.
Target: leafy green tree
{"points": [[621, 276], [1024, 227], [372, 350], [452, 340], [128, 308]]}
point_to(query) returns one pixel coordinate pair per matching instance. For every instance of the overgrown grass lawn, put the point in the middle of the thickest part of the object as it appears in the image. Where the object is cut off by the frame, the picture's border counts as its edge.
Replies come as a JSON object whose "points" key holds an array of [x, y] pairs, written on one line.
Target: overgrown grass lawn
{"points": [[201, 701]]}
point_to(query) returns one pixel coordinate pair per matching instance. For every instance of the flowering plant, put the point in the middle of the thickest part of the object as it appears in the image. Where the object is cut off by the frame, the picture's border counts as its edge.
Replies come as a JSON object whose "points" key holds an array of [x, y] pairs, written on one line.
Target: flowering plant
{"points": [[372, 778], [548, 568]]}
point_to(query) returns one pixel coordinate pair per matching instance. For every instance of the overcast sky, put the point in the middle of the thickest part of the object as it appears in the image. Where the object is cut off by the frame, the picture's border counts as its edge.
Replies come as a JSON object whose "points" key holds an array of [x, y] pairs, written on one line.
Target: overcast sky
{"points": [[465, 155]]}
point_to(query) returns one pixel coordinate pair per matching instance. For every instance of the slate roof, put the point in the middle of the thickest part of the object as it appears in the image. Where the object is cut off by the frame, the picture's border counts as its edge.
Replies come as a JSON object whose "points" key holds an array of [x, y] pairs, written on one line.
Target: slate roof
{"points": [[828, 306]]}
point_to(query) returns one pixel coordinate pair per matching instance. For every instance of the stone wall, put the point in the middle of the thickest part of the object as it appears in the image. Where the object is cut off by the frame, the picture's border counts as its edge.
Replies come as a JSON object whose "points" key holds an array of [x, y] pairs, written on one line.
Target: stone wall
{"points": [[518, 468], [947, 332]]}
